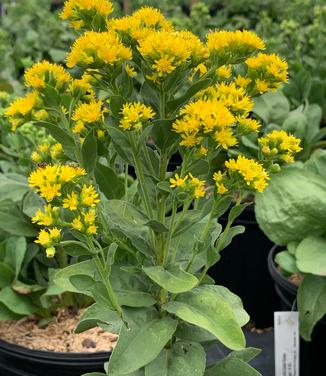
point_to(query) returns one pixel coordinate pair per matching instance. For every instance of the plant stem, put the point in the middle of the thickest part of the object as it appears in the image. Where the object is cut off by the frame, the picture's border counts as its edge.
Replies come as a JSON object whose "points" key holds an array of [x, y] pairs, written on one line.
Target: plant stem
{"points": [[170, 232], [126, 181], [67, 297]]}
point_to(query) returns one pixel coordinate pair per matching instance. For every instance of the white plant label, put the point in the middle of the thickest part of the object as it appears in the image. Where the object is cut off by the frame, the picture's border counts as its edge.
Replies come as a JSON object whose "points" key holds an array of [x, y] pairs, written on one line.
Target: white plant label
{"points": [[286, 334]]}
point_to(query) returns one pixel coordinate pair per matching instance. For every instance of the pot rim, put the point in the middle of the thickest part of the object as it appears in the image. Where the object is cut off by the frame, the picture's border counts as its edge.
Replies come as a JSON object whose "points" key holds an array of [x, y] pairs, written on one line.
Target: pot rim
{"points": [[9, 348], [275, 273]]}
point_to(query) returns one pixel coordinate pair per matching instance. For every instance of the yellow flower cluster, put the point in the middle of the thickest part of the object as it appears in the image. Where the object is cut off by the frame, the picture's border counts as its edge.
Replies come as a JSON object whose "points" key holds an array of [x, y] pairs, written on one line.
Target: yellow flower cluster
{"points": [[205, 118], [76, 11], [48, 239], [280, 145], [88, 114], [49, 181], [42, 73], [20, 110], [61, 184], [82, 87], [267, 71], [140, 24], [230, 95], [47, 151], [98, 50], [135, 115], [190, 184], [242, 173], [165, 51], [233, 46]]}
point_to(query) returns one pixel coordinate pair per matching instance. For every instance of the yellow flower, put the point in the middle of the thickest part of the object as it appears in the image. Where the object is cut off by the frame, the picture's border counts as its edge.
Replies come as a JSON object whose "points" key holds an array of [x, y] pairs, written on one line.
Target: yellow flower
{"points": [[223, 72], [253, 173], [178, 181], [47, 238], [50, 252], [43, 73], [225, 137], [164, 65], [242, 81], [20, 109], [91, 230], [77, 224], [280, 144], [140, 24], [201, 69], [44, 148], [50, 191], [135, 115], [247, 125], [89, 217], [77, 10], [56, 151], [98, 50], [100, 133], [219, 182], [88, 196], [71, 201], [82, 86], [69, 173], [36, 157], [231, 46], [261, 85], [46, 218], [130, 70], [196, 187], [86, 114]]}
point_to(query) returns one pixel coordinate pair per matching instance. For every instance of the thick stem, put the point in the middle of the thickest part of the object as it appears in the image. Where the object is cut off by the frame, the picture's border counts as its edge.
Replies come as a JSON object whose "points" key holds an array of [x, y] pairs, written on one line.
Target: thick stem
{"points": [[61, 256], [170, 233]]}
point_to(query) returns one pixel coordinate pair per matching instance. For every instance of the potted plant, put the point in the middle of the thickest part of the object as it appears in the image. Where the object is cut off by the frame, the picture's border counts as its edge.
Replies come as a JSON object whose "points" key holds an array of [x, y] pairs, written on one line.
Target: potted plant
{"points": [[144, 92], [297, 264]]}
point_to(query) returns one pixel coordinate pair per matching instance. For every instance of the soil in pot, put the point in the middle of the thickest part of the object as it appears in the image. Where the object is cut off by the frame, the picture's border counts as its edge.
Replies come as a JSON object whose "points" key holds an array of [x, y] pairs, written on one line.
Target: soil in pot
{"points": [[312, 354], [243, 269], [27, 349]]}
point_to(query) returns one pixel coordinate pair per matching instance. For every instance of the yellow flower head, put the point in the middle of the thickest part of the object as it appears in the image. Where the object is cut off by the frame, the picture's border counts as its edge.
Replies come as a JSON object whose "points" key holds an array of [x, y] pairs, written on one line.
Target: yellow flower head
{"points": [[135, 115], [233, 46], [247, 125], [46, 218], [56, 151], [225, 137], [268, 71], [88, 113], [89, 196], [36, 157], [82, 86], [77, 224], [196, 187], [242, 81], [20, 110], [48, 238], [178, 181], [140, 24], [250, 171], [70, 201], [98, 50], [76, 11], [200, 119], [223, 72], [280, 145], [130, 70], [43, 73]]}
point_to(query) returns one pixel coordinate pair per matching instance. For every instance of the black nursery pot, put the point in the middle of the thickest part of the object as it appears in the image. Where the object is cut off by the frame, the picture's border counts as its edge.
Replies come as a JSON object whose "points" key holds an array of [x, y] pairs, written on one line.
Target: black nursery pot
{"points": [[243, 269], [312, 354], [20, 361]]}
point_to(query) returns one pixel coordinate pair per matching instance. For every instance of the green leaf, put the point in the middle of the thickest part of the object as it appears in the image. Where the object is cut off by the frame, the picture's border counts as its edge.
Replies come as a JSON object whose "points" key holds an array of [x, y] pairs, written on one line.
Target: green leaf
{"points": [[311, 303], [134, 298], [246, 354], [82, 282], [62, 276], [317, 163], [205, 307], [188, 332], [232, 366], [75, 248], [236, 210], [272, 107], [296, 123], [292, 206], [287, 262], [110, 184], [89, 152], [15, 253], [96, 314], [7, 275], [172, 279], [163, 134], [311, 256], [234, 231], [157, 226], [13, 221], [145, 327], [20, 304], [185, 358], [6, 314], [31, 203], [13, 187]]}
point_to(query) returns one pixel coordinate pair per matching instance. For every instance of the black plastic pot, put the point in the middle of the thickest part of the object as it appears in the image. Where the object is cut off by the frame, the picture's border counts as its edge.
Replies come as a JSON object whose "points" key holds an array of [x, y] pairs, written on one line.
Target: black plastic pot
{"points": [[243, 269], [312, 354], [20, 361]]}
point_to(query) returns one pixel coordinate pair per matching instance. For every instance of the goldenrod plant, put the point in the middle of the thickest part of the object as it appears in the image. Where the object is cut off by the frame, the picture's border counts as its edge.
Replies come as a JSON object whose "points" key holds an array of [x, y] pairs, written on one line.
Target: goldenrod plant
{"points": [[136, 93]]}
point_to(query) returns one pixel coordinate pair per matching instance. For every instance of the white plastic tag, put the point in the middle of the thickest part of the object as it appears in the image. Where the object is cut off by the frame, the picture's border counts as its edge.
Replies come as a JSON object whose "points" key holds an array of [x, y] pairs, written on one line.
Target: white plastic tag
{"points": [[286, 334]]}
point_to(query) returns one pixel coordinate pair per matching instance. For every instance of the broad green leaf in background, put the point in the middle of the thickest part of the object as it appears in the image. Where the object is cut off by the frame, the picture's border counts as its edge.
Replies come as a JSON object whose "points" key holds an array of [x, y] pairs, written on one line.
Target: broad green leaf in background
{"points": [[185, 358], [110, 184], [145, 326], [293, 206], [272, 107], [13, 187], [311, 255], [287, 262], [89, 152], [311, 303], [19, 304], [172, 278], [232, 366], [15, 252], [205, 307], [7, 275]]}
